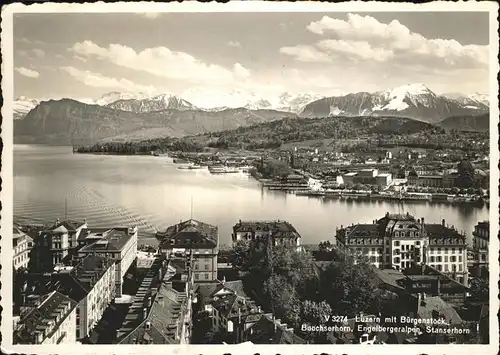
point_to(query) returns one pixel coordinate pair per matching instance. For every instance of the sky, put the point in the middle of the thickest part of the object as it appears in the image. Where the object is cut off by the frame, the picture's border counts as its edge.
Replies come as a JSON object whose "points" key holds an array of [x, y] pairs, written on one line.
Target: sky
{"points": [[210, 59]]}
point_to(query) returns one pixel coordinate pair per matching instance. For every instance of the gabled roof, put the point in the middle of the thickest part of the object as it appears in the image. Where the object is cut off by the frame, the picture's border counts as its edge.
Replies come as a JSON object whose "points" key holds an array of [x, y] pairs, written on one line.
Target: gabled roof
{"points": [[55, 305], [190, 234]]}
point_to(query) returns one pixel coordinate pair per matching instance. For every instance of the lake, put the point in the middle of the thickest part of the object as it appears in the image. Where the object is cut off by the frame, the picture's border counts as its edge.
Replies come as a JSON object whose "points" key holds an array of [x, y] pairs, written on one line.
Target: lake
{"points": [[152, 193]]}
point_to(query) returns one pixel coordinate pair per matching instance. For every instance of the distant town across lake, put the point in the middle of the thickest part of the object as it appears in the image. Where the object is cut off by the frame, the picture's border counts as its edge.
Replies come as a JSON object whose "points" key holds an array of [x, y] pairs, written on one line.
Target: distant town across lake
{"points": [[152, 193]]}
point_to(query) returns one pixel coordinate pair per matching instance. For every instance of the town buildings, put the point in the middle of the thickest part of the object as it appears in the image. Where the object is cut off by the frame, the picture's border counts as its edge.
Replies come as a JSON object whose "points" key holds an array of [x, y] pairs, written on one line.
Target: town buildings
{"points": [[401, 241], [161, 310], [52, 320], [55, 244], [276, 232], [21, 244], [117, 244], [194, 238], [480, 248], [368, 177], [91, 283]]}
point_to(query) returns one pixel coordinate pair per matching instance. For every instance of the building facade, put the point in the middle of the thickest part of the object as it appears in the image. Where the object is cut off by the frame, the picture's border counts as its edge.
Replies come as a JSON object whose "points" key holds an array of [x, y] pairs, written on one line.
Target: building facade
{"points": [[480, 248], [117, 244], [55, 244], [401, 241], [194, 238], [91, 283], [21, 244], [279, 233], [53, 321]]}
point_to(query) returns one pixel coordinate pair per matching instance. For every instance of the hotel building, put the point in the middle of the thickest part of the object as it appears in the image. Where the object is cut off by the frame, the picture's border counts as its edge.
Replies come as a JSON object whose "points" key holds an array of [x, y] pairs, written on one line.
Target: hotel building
{"points": [[53, 321], [278, 232], [21, 244], [117, 244], [400, 242], [194, 238]]}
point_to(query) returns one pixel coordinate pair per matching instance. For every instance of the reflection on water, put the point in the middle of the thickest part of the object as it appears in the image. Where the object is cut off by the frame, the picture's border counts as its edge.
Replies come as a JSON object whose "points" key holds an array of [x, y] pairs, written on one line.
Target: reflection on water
{"points": [[152, 193]]}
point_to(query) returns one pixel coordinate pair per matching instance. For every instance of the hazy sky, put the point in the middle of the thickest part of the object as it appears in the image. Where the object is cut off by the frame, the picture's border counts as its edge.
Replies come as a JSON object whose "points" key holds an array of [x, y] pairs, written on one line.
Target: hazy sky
{"points": [[204, 57]]}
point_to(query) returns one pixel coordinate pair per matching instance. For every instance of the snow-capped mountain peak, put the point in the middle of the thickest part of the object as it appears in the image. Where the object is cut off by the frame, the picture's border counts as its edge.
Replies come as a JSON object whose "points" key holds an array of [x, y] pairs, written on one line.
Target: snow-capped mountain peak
{"points": [[417, 94], [22, 105]]}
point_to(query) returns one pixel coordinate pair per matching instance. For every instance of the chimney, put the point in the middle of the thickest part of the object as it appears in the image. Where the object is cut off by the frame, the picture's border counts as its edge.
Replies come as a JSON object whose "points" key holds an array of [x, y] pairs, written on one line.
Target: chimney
{"points": [[224, 280], [150, 301], [418, 221], [443, 222], [85, 221], [240, 221], [57, 222], [117, 332], [424, 296], [387, 214], [258, 309], [144, 313]]}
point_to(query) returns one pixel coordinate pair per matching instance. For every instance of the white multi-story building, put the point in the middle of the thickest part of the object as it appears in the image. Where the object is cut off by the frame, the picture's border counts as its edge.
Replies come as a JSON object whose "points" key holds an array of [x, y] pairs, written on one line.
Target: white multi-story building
{"points": [[401, 241], [53, 321], [118, 244], [21, 244], [91, 283]]}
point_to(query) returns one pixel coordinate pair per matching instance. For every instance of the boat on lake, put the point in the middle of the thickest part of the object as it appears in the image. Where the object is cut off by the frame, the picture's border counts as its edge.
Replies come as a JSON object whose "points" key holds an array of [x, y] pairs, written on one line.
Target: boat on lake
{"points": [[221, 169]]}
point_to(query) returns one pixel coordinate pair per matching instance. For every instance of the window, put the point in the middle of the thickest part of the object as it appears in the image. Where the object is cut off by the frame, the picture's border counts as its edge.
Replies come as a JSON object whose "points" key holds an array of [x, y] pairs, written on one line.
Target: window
{"points": [[387, 250], [439, 267], [417, 242], [459, 267], [446, 267], [396, 243], [396, 260], [416, 235], [446, 250], [439, 250], [446, 258], [432, 259], [453, 258], [387, 242], [206, 266], [453, 250], [196, 276], [439, 258], [460, 258]]}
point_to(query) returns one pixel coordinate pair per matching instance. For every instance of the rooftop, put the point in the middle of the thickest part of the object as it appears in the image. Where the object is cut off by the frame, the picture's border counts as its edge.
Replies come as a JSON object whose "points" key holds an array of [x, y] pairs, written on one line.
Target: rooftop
{"points": [[434, 307], [46, 318], [81, 279], [65, 226], [190, 234], [160, 324], [276, 228], [111, 239]]}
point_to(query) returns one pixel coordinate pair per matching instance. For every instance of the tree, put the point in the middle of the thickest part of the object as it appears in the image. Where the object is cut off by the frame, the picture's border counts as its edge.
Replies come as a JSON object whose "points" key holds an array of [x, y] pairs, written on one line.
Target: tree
{"points": [[283, 299], [349, 287], [479, 289], [315, 313], [240, 256]]}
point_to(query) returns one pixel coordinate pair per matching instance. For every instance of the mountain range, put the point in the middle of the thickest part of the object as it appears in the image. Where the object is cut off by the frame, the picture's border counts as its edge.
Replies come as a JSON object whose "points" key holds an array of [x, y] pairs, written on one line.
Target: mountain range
{"points": [[69, 121], [413, 101], [139, 116]]}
